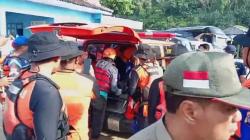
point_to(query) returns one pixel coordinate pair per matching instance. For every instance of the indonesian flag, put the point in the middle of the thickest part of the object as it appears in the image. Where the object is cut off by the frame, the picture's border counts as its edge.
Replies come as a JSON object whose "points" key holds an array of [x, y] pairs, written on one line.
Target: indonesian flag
{"points": [[196, 79]]}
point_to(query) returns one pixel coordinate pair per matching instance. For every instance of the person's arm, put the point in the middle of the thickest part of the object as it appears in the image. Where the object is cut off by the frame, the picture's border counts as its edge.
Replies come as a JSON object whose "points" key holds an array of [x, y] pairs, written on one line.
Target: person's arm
{"points": [[3, 41], [242, 73], [154, 98], [114, 80], [133, 81], [46, 105]]}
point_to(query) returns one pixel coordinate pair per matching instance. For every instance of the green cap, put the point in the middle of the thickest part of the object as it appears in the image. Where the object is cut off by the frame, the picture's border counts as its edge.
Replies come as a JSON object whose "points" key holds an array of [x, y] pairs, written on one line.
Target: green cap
{"points": [[206, 75]]}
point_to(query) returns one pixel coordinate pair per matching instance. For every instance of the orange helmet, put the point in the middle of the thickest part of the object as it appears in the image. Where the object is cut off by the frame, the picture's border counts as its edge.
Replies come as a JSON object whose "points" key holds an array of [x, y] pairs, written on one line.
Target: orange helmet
{"points": [[109, 53]]}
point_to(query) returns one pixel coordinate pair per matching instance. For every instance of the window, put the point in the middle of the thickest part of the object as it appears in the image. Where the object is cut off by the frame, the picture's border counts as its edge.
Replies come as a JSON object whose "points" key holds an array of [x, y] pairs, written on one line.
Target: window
{"points": [[15, 29]]}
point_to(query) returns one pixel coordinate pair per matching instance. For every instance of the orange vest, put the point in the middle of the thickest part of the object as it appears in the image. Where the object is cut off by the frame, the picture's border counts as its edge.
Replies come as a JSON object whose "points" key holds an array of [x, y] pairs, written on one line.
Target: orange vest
{"points": [[16, 108], [246, 84], [76, 94], [143, 77], [22, 109]]}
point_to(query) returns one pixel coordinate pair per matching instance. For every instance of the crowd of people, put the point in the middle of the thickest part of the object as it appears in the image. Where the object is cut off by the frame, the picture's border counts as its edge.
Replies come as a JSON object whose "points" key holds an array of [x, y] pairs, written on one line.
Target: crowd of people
{"points": [[48, 91]]}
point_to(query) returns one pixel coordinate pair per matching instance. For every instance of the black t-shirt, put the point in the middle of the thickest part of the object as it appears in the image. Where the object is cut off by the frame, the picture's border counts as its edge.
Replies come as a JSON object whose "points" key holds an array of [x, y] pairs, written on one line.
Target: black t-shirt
{"points": [[121, 66]]}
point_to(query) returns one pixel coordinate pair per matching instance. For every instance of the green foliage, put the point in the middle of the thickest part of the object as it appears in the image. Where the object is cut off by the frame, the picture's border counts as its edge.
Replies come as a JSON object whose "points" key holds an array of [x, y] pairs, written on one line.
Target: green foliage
{"points": [[163, 14], [120, 7]]}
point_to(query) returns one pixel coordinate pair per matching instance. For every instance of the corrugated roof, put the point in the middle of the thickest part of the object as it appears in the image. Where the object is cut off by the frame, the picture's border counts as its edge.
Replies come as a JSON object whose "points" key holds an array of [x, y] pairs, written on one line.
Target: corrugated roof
{"points": [[235, 30], [89, 3]]}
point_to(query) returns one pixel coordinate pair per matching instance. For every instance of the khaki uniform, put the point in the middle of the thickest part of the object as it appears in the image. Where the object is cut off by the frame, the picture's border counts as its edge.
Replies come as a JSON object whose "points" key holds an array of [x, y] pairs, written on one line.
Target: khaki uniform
{"points": [[156, 131]]}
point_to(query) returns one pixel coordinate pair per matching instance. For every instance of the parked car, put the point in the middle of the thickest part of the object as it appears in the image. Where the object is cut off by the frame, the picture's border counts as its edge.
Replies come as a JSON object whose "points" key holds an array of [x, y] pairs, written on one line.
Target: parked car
{"points": [[210, 34]]}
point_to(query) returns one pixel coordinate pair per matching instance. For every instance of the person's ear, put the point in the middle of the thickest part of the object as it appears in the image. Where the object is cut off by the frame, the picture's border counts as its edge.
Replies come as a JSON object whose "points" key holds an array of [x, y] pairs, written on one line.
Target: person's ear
{"points": [[79, 60], [190, 111]]}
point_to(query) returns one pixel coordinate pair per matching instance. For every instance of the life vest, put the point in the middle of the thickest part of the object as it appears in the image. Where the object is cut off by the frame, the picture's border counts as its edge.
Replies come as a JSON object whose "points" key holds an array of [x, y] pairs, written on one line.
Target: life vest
{"points": [[102, 75], [16, 112], [76, 97], [143, 77], [147, 74], [132, 109], [246, 84], [21, 62], [161, 107]]}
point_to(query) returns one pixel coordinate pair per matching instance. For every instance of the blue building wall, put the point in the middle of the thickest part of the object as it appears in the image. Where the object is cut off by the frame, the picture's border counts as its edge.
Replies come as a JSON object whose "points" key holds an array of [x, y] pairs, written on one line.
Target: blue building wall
{"points": [[49, 13], [15, 18], [50, 10]]}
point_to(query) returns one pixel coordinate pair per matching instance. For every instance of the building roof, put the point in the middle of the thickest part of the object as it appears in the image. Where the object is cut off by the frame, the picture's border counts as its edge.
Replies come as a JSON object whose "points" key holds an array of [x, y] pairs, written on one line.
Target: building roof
{"points": [[95, 4], [77, 5], [235, 30]]}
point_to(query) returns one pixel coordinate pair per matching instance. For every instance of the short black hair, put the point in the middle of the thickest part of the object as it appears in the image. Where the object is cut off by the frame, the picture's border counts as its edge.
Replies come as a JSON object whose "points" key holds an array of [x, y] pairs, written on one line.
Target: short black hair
{"points": [[46, 60], [173, 101], [205, 46]]}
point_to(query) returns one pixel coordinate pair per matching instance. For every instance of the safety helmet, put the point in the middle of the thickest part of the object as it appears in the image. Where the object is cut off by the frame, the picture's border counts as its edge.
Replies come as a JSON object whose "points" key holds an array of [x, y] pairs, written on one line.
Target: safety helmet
{"points": [[20, 41], [109, 53]]}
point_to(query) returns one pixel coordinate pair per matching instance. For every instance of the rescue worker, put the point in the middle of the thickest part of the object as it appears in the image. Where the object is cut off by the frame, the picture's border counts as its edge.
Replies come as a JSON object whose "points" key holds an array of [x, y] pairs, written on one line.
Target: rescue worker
{"points": [[14, 64], [200, 106], [244, 41], [33, 108], [75, 94], [140, 82], [5, 46], [157, 102], [124, 65], [106, 77], [240, 67], [123, 61]]}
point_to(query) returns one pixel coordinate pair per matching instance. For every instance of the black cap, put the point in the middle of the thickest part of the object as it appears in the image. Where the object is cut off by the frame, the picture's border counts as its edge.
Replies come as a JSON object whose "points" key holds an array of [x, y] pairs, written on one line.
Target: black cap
{"points": [[145, 52], [243, 39], [45, 45], [76, 50]]}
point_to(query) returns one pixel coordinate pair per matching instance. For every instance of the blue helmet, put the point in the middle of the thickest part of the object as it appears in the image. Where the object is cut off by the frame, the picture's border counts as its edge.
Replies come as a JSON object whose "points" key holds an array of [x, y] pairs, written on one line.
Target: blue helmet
{"points": [[20, 41], [231, 49]]}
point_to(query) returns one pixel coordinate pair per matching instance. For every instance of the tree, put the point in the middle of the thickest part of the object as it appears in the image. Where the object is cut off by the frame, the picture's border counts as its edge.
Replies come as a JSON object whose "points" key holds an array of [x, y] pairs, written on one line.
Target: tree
{"points": [[120, 7], [163, 14]]}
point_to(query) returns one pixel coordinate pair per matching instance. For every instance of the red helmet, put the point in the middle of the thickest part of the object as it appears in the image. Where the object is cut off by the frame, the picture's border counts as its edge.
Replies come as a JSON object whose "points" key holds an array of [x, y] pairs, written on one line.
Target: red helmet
{"points": [[109, 53]]}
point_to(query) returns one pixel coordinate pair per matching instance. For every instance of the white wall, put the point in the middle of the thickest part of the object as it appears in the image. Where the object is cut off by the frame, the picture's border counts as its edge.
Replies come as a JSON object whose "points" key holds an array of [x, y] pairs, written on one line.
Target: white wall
{"points": [[108, 20], [2, 22]]}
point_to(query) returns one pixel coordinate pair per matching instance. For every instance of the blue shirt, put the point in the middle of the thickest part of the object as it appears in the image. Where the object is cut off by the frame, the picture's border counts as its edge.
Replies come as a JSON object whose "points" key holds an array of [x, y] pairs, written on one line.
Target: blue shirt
{"points": [[245, 125], [240, 68], [16, 64]]}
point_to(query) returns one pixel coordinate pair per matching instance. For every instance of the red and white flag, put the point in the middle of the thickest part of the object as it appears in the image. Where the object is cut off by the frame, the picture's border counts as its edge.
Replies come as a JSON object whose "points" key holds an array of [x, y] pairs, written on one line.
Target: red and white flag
{"points": [[196, 79]]}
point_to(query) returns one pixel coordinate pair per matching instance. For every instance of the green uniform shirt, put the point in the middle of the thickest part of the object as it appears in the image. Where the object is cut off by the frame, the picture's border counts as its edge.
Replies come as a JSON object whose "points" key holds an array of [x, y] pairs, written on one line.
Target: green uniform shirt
{"points": [[156, 131]]}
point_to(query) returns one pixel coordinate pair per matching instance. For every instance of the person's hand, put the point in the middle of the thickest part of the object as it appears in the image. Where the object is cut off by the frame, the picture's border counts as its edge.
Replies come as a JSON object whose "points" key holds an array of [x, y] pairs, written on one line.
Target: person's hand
{"points": [[11, 37], [6, 81], [119, 92]]}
